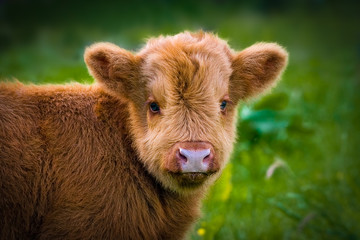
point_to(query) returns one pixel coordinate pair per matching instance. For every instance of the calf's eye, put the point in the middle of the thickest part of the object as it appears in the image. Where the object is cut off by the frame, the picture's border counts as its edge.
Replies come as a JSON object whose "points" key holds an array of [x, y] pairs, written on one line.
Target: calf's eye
{"points": [[154, 107], [223, 105]]}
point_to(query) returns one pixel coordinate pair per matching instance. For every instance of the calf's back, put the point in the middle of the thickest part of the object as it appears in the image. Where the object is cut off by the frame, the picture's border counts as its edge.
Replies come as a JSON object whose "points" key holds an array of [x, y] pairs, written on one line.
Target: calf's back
{"points": [[68, 170]]}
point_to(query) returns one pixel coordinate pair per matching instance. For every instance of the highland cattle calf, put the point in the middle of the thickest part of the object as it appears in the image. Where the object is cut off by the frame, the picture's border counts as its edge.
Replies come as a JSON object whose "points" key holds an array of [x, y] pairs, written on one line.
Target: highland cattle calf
{"points": [[131, 156]]}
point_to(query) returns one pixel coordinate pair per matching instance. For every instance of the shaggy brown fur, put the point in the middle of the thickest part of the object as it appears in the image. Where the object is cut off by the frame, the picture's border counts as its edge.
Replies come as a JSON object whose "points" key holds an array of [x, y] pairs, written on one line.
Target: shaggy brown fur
{"points": [[94, 162]]}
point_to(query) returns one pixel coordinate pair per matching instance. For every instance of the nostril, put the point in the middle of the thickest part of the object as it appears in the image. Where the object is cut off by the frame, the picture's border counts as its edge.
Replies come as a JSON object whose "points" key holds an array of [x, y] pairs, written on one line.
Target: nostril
{"points": [[207, 157], [181, 156]]}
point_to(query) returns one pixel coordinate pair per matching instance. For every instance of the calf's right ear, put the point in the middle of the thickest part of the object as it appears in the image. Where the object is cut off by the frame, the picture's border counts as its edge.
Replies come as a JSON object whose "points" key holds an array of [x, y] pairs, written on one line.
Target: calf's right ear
{"points": [[114, 68]]}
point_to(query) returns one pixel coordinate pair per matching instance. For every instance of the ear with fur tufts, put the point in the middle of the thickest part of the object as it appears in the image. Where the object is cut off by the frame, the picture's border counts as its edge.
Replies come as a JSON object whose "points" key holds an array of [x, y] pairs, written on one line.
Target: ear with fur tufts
{"points": [[256, 69], [114, 68]]}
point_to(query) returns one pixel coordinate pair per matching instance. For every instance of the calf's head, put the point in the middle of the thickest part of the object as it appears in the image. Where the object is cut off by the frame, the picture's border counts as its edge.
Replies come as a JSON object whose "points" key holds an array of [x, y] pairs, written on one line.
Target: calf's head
{"points": [[182, 92]]}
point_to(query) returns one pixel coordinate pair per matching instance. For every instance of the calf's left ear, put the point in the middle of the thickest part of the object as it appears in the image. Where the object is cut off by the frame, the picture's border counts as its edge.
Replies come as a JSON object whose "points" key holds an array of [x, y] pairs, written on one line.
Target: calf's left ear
{"points": [[256, 69], [114, 68]]}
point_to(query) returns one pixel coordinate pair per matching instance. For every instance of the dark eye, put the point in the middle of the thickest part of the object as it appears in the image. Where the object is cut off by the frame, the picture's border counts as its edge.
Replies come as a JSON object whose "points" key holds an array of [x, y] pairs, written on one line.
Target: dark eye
{"points": [[223, 105], [154, 107]]}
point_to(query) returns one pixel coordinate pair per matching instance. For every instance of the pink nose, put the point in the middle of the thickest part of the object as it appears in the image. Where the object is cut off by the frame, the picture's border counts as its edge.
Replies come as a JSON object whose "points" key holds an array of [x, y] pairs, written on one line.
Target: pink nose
{"points": [[194, 160], [191, 157]]}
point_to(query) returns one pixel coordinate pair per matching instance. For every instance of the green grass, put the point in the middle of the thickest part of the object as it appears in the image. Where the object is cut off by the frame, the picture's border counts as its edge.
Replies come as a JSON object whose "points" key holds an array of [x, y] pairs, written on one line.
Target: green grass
{"points": [[309, 124]]}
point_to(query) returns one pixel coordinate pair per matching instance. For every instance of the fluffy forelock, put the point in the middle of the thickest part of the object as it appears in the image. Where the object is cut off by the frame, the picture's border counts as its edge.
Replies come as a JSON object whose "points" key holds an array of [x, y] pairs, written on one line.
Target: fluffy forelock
{"points": [[208, 43]]}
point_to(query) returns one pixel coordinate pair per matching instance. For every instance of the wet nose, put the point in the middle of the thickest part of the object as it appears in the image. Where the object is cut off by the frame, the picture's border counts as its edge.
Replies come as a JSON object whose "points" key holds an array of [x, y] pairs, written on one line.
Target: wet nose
{"points": [[193, 160], [192, 157]]}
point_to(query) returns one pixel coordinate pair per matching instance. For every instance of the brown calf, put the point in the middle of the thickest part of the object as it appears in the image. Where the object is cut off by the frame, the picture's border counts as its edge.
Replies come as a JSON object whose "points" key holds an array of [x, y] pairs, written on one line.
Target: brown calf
{"points": [[131, 156]]}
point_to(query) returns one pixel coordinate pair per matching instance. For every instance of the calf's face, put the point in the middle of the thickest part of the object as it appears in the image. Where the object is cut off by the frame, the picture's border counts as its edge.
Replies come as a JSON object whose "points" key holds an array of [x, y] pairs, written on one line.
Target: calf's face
{"points": [[182, 93]]}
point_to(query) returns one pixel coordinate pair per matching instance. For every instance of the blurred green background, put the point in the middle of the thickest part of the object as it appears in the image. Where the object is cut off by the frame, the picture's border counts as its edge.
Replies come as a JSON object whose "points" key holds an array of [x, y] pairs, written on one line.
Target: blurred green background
{"points": [[294, 173]]}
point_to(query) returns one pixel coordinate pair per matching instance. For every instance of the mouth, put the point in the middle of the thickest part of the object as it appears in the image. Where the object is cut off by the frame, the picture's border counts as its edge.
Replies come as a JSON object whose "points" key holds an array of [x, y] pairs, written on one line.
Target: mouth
{"points": [[191, 179]]}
